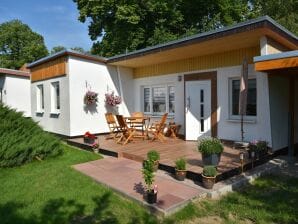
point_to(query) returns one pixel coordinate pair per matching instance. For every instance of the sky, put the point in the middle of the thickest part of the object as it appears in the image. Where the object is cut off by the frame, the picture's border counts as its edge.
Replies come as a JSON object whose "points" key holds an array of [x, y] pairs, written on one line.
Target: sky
{"points": [[56, 20]]}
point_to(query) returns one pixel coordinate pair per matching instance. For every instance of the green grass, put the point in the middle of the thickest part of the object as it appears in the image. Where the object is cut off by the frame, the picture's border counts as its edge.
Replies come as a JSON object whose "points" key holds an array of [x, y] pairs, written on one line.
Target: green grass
{"points": [[51, 191], [271, 199]]}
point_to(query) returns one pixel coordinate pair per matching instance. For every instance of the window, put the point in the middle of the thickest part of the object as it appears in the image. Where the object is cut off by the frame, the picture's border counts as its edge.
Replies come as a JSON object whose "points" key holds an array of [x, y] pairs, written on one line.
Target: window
{"points": [[251, 109], [55, 97], [159, 99], [39, 98]]}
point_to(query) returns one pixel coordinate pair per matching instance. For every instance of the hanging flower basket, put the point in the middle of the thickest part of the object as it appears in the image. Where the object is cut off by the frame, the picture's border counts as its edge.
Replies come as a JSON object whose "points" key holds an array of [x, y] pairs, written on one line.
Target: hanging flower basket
{"points": [[112, 100], [90, 98]]}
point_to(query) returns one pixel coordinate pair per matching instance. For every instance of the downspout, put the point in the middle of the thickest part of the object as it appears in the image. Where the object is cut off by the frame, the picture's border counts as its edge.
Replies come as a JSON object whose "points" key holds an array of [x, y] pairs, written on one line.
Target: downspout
{"points": [[120, 84]]}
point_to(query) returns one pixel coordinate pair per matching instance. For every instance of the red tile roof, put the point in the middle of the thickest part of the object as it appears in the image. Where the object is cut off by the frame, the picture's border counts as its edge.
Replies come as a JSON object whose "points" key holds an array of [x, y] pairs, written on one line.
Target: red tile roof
{"points": [[14, 72]]}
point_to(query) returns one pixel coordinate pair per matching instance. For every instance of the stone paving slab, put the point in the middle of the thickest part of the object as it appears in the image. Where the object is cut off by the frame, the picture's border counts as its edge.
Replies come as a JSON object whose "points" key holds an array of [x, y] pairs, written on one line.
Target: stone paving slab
{"points": [[124, 176]]}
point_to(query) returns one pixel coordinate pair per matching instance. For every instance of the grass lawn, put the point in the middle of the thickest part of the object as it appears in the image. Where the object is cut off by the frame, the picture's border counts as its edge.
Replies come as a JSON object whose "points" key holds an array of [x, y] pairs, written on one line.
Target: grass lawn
{"points": [[52, 192]]}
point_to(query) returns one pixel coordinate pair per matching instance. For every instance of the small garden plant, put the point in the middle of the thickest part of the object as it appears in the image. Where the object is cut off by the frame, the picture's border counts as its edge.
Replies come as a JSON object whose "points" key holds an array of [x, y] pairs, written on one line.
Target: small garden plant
{"points": [[148, 174], [209, 171], [209, 146], [153, 155], [180, 164], [258, 145]]}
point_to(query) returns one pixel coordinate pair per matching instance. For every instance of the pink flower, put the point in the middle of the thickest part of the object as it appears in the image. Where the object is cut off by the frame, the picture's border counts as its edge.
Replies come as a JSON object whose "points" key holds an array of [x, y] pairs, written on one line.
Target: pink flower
{"points": [[155, 190], [112, 99]]}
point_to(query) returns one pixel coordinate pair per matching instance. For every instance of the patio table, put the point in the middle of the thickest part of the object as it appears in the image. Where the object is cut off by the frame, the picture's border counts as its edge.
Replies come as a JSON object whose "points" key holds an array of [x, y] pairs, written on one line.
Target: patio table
{"points": [[144, 120]]}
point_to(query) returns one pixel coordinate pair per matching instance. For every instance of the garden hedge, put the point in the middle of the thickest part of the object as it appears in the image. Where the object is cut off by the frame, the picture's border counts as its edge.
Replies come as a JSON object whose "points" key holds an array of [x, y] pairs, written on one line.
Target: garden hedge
{"points": [[23, 140]]}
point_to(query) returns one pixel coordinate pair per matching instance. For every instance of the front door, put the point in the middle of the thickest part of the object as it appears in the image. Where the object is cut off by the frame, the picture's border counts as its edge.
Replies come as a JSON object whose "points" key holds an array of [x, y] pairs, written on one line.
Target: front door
{"points": [[197, 109]]}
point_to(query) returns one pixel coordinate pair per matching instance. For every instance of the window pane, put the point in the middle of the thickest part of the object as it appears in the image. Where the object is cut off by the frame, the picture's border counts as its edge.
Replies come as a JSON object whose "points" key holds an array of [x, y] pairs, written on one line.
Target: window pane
{"points": [[251, 109], [57, 96], [146, 99], [42, 97], [159, 99], [171, 99]]}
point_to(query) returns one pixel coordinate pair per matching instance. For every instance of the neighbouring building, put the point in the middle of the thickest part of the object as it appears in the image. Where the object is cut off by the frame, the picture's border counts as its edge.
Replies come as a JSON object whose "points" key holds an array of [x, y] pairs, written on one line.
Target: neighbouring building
{"points": [[194, 79], [15, 90]]}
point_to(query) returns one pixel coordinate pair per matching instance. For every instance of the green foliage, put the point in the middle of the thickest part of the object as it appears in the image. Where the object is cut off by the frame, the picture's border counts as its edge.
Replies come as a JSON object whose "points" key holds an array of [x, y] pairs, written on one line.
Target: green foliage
{"points": [[284, 12], [148, 173], [122, 26], [57, 49], [209, 146], [153, 155], [19, 45], [209, 171], [180, 164], [22, 140]]}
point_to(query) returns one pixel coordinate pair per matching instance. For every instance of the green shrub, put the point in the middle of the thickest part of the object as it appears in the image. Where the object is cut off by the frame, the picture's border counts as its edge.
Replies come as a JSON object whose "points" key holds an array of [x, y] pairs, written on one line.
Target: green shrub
{"points": [[209, 171], [180, 164], [209, 146], [148, 173], [153, 155], [22, 140]]}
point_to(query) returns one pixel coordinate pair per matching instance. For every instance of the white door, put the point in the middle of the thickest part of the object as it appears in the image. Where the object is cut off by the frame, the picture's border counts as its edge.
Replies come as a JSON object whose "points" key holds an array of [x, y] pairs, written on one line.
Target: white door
{"points": [[197, 109]]}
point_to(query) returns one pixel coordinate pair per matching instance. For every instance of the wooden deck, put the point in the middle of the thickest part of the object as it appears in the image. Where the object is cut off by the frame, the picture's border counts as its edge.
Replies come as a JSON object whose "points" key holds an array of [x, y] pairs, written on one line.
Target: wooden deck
{"points": [[170, 150]]}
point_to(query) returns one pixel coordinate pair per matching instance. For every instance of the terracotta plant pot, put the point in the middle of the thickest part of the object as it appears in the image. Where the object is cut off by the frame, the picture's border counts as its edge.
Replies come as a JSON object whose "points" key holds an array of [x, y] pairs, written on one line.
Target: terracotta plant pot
{"points": [[155, 165], [151, 197], [180, 174], [208, 182], [89, 140], [211, 160]]}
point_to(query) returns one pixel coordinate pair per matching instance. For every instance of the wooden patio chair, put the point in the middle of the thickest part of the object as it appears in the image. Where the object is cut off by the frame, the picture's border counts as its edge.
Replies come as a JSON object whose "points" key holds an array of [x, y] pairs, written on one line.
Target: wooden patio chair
{"points": [[157, 128], [138, 123], [113, 126], [126, 132]]}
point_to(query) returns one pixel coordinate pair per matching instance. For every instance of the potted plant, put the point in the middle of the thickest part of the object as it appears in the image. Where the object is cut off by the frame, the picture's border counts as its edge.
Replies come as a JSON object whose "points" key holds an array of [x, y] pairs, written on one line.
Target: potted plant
{"points": [[148, 175], [95, 147], [89, 138], [259, 147], [154, 156], [112, 100], [90, 98], [180, 169], [209, 176], [211, 149]]}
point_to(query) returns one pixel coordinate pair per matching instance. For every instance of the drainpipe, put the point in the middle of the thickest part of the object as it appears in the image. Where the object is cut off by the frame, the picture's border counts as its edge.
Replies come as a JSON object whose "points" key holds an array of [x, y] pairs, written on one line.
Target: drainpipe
{"points": [[120, 84]]}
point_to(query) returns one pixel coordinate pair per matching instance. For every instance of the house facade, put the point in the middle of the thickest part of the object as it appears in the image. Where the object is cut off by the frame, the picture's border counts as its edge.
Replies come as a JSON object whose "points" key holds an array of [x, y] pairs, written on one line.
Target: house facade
{"points": [[15, 90], [195, 80]]}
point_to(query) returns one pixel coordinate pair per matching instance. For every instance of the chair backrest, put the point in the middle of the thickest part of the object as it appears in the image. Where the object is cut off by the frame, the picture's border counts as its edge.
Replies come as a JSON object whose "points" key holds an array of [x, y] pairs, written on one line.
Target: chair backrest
{"points": [[162, 122], [122, 123], [137, 114], [110, 118]]}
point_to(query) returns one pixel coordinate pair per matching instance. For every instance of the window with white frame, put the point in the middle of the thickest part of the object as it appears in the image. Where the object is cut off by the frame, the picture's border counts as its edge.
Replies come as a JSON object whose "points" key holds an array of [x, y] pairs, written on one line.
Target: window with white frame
{"points": [[39, 98], [251, 108], [55, 97], [159, 99]]}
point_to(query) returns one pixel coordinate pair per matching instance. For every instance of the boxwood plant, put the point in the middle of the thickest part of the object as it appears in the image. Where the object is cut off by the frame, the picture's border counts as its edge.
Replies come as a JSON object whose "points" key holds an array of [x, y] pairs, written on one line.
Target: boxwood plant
{"points": [[209, 146], [153, 155], [180, 164], [209, 171]]}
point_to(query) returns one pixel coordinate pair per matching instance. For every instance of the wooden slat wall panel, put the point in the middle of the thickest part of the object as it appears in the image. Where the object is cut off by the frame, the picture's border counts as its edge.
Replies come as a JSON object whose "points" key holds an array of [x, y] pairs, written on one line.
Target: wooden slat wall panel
{"points": [[277, 64], [224, 59], [49, 69]]}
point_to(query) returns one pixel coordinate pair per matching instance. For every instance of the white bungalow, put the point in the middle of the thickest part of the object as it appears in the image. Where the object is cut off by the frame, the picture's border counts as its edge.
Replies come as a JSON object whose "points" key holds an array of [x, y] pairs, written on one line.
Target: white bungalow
{"points": [[195, 80]]}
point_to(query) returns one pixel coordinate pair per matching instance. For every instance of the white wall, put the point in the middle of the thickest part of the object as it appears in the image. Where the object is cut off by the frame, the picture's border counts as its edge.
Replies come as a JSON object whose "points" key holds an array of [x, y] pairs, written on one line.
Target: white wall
{"points": [[51, 122], [227, 129], [259, 128], [16, 93], [279, 105], [100, 79]]}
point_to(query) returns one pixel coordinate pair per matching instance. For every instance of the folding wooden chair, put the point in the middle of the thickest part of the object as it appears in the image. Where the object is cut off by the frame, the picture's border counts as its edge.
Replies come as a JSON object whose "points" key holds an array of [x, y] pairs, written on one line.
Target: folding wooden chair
{"points": [[114, 128], [138, 123], [126, 132], [157, 128]]}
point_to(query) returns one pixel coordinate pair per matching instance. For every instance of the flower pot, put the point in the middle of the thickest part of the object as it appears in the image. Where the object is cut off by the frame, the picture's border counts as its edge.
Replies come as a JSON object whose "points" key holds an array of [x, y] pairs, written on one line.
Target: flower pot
{"points": [[211, 160], [180, 174], [155, 165], [89, 140], [151, 197], [96, 150], [208, 182]]}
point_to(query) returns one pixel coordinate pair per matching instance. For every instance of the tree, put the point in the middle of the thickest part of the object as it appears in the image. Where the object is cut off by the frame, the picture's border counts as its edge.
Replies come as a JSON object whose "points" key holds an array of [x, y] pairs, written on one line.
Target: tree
{"points": [[126, 25], [19, 45], [57, 49], [284, 12]]}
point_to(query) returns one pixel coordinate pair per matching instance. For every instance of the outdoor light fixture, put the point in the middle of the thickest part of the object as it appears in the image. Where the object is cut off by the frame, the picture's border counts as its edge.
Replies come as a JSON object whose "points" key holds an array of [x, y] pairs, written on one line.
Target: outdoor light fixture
{"points": [[241, 155], [179, 78]]}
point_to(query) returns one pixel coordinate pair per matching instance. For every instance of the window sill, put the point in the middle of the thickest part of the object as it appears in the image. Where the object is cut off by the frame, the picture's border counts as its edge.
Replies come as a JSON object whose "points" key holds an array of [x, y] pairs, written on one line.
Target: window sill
{"points": [[55, 113], [170, 116], [39, 112], [252, 121]]}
